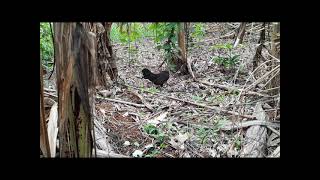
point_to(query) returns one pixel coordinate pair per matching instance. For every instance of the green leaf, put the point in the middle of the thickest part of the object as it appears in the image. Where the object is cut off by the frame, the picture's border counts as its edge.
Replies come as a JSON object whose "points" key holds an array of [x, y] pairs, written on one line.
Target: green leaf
{"points": [[151, 129], [228, 46]]}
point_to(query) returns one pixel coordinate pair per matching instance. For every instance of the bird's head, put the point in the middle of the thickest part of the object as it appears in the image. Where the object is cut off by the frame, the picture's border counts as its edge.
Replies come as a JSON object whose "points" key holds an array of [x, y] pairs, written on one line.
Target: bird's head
{"points": [[146, 72]]}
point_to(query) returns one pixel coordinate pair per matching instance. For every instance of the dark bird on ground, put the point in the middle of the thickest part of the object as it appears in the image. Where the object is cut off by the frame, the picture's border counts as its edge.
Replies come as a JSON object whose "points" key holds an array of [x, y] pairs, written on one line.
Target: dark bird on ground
{"points": [[157, 79]]}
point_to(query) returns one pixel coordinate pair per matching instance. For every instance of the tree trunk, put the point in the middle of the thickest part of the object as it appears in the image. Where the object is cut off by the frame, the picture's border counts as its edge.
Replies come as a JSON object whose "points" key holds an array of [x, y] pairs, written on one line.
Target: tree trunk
{"points": [[105, 57], [275, 51], [74, 55], [257, 59], [112, 69], [182, 49], [241, 32]]}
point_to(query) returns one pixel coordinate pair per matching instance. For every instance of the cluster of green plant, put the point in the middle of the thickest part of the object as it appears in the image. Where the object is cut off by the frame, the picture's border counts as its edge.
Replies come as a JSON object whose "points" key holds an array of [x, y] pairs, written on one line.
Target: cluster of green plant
{"points": [[166, 39], [198, 98], [164, 35], [154, 132], [130, 32], [220, 98], [46, 45], [238, 142], [226, 57], [152, 90], [158, 135], [198, 31], [204, 134]]}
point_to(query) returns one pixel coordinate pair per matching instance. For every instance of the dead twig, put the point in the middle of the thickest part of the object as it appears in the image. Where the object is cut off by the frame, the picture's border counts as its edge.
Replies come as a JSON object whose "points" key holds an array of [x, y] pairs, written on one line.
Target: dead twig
{"points": [[148, 106], [51, 90], [262, 78], [123, 102], [273, 130], [49, 94]]}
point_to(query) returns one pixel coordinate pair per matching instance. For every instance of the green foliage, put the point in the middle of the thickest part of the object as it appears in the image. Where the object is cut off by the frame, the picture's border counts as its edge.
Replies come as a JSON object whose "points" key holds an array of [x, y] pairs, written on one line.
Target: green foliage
{"points": [[152, 90], [163, 31], [136, 32], [133, 49], [227, 46], [198, 31], [238, 143], [204, 134], [166, 39], [165, 35], [127, 32], [220, 98], [151, 129], [153, 153], [235, 92], [170, 65], [155, 132], [198, 98], [229, 60], [46, 45], [210, 98]]}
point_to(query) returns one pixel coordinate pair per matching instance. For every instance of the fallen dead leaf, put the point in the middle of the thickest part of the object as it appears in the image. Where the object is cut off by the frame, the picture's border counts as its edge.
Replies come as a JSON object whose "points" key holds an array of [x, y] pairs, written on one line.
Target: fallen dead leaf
{"points": [[177, 141], [157, 120]]}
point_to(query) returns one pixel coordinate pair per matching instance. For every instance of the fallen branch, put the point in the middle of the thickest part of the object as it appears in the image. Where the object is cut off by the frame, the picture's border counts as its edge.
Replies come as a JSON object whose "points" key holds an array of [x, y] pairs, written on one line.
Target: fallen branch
{"points": [[233, 89], [256, 136], [201, 105], [123, 102], [245, 124], [212, 107], [237, 125], [148, 106]]}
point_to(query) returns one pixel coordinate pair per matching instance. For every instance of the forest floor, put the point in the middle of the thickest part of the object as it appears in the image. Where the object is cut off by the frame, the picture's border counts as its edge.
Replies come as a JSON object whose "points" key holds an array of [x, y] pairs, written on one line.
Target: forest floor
{"points": [[182, 119]]}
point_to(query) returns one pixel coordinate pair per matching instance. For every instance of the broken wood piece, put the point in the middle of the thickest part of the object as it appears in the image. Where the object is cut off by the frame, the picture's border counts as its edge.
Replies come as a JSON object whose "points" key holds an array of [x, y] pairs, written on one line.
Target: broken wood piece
{"points": [[104, 154], [239, 125], [148, 106], [44, 141], [256, 136], [53, 129]]}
